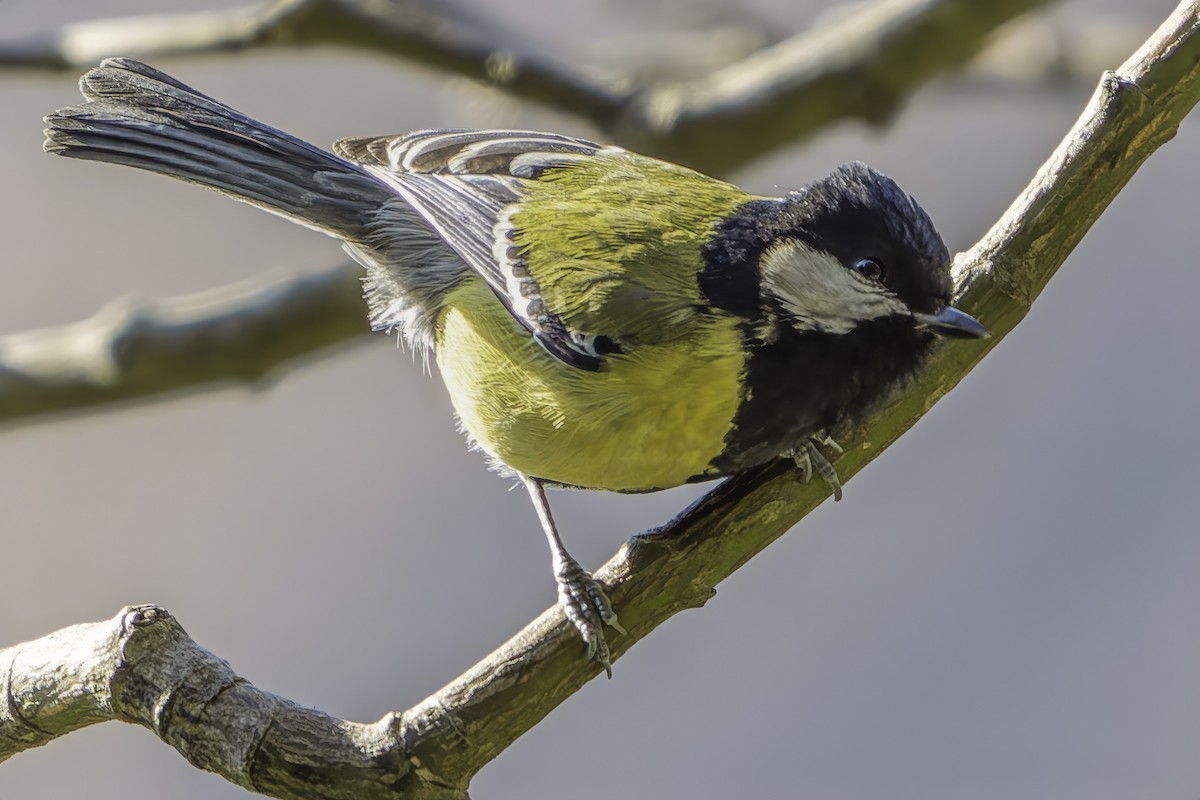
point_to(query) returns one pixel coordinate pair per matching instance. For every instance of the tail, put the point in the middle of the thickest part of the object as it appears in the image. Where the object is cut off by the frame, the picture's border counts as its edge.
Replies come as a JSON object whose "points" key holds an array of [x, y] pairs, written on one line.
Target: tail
{"points": [[140, 117]]}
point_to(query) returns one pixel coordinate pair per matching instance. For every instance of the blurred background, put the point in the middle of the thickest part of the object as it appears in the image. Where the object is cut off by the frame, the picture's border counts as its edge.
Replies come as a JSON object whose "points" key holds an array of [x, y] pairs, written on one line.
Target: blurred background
{"points": [[1005, 604]]}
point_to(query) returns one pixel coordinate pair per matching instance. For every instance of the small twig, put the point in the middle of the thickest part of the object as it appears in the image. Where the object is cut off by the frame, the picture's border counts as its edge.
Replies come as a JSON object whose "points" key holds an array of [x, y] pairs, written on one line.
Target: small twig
{"points": [[432, 750]]}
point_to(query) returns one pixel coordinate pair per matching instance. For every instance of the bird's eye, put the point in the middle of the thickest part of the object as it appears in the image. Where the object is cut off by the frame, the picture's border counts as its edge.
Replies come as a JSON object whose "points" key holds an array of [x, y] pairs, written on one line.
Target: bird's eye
{"points": [[870, 268]]}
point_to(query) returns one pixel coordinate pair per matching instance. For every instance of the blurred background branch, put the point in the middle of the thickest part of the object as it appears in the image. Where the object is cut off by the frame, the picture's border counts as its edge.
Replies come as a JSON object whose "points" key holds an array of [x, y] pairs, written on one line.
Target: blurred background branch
{"points": [[862, 63], [246, 333]]}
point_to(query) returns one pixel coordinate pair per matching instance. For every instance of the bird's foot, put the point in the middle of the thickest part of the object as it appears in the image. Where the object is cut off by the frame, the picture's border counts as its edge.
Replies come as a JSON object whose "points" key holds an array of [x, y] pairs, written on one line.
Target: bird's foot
{"points": [[587, 607], [808, 457]]}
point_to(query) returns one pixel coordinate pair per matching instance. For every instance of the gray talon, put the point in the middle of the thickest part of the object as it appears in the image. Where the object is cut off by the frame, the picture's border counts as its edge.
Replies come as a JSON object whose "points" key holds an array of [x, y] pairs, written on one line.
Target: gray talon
{"points": [[808, 457], [587, 608]]}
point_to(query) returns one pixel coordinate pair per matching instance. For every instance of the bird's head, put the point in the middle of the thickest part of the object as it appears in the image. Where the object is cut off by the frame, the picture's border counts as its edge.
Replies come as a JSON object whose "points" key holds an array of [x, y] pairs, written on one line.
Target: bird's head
{"points": [[848, 250], [854, 247]]}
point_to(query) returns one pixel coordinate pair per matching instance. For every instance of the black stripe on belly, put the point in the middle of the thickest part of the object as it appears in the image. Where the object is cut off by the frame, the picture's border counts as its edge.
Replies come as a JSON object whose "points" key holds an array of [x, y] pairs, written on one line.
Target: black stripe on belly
{"points": [[798, 384]]}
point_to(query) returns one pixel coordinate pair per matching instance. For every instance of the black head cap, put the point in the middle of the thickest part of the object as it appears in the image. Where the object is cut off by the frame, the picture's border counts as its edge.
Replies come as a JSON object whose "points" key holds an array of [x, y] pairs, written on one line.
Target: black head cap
{"points": [[858, 213], [855, 213]]}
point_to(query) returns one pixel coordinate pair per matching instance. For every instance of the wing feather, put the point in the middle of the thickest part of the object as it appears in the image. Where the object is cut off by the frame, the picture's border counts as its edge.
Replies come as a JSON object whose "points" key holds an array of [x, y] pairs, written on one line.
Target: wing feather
{"points": [[462, 182], [435, 151]]}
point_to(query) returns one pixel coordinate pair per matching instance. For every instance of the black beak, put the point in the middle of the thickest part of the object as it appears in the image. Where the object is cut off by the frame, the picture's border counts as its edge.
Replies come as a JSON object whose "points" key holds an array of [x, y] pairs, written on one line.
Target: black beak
{"points": [[953, 324]]}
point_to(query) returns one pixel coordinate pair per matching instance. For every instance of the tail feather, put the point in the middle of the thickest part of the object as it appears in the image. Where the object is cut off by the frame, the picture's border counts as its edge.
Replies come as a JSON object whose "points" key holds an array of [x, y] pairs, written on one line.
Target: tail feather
{"points": [[140, 117]]}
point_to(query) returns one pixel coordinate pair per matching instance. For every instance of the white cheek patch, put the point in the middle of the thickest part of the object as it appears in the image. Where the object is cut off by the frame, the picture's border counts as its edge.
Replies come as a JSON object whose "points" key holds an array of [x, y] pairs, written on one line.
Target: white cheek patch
{"points": [[820, 293]]}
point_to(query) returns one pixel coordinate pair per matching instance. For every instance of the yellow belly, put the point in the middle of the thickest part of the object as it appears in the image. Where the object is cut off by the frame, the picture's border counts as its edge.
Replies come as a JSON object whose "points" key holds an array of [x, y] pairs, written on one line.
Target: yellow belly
{"points": [[649, 419]]}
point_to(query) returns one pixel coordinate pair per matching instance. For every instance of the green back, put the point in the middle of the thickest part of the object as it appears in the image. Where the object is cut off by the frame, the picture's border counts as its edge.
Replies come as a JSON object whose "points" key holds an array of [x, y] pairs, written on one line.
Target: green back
{"points": [[614, 242]]}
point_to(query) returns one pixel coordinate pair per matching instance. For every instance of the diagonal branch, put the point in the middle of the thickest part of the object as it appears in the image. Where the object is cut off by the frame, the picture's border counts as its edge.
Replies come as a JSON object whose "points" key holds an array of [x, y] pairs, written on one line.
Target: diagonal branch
{"points": [[864, 65], [162, 680]]}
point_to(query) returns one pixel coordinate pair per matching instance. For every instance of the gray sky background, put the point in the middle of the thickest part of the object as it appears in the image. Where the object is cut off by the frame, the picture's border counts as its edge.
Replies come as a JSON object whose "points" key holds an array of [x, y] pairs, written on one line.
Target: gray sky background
{"points": [[1004, 605]]}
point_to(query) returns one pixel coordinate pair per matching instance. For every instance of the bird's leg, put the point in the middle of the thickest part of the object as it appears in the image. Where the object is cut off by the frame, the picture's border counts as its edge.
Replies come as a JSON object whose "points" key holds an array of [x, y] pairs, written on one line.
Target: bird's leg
{"points": [[581, 596], [809, 456]]}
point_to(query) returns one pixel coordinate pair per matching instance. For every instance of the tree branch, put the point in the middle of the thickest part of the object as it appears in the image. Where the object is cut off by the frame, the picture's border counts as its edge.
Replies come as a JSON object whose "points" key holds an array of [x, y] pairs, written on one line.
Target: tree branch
{"points": [[243, 333], [141, 667], [163, 681], [863, 65]]}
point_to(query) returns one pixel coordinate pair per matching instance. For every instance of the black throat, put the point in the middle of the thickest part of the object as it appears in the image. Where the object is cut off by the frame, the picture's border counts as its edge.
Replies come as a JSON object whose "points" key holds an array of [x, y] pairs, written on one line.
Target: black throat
{"points": [[799, 384]]}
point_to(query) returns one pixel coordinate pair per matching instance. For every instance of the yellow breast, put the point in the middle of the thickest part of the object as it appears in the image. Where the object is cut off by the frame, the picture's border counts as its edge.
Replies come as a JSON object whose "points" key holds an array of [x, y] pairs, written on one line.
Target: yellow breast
{"points": [[649, 419]]}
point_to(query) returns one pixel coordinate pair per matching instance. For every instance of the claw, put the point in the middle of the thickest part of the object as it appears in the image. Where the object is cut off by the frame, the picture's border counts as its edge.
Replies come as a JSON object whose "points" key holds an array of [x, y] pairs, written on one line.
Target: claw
{"points": [[587, 608], [808, 457]]}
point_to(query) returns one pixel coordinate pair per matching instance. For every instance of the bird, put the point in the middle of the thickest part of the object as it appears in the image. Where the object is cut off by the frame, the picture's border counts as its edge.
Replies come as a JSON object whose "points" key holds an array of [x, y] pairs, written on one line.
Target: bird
{"points": [[601, 319]]}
